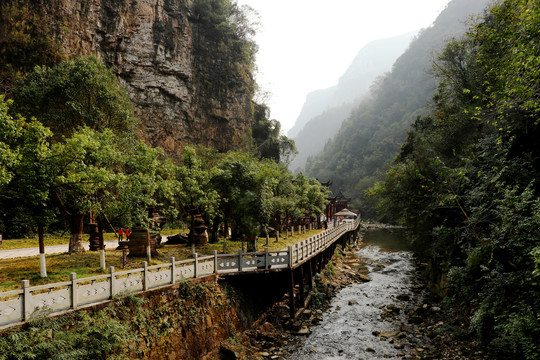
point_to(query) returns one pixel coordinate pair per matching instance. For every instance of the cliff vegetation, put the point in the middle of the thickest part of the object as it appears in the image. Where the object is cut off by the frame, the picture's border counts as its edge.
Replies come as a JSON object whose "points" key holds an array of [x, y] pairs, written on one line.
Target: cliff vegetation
{"points": [[371, 136], [466, 180]]}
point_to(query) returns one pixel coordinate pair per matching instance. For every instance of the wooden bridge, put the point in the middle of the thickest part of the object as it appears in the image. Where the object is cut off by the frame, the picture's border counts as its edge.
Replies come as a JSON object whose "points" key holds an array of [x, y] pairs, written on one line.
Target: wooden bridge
{"points": [[301, 261]]}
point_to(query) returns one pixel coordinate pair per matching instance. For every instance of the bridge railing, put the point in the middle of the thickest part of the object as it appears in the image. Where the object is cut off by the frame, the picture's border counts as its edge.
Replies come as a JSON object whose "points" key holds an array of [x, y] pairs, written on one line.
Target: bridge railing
{"points": [[307, 248], [29, 301]]}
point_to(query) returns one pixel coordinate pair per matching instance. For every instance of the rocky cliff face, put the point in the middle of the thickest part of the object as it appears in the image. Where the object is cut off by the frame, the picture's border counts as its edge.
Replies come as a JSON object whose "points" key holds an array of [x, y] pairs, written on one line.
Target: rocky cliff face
{"points": [[149, 45]]}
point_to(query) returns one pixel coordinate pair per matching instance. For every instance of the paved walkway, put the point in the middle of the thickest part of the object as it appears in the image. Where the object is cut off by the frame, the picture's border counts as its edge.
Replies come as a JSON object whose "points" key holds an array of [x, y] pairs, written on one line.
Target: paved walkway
{"points": [[53, 249]]}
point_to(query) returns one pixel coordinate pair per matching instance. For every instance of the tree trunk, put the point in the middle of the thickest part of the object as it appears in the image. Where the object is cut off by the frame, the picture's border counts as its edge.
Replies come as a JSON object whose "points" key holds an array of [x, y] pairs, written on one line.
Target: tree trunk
{"points": [[278, 226], [41, 240], [214, 237], [100, 235], [75, 223], [191, 236], [251, 244], [75, 240], [101, 246]]}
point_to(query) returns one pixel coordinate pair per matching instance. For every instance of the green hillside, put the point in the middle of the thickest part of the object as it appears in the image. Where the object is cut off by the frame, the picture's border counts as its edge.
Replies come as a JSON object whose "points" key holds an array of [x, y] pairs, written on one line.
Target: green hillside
{"points": [[371, 137]]}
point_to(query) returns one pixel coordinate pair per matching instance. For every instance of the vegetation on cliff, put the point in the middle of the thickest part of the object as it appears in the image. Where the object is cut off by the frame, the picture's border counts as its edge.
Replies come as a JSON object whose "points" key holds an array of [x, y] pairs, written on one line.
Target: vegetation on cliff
{"points": [[187, 66], [224, 43], [72, 94], [268, 142], [26, 40], [466, 180]]}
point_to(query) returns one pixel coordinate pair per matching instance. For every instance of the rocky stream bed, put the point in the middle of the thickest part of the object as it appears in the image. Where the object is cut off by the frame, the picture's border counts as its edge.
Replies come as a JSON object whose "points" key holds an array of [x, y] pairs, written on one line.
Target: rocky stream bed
{"points": [[370, 303]]}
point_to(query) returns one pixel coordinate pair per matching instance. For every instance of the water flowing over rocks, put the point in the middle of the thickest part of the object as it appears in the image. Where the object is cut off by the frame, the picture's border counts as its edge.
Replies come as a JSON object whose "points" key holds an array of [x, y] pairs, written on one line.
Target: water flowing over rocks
{"points": [[361, 322], [375, 307]]}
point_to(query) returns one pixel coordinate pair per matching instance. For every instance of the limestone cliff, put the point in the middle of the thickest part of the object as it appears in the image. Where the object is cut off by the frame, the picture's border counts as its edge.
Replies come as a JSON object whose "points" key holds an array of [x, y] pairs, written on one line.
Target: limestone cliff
{"points": [[161, 52]]}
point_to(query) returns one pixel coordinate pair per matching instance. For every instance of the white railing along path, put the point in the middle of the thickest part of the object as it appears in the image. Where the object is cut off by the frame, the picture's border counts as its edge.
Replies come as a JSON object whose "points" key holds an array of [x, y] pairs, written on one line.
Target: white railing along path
{"points": [[29, 301]]}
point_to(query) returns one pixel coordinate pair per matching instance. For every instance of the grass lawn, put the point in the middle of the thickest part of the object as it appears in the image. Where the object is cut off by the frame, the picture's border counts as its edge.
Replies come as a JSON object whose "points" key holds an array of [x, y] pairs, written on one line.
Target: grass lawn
{"points": [[59, 266]]}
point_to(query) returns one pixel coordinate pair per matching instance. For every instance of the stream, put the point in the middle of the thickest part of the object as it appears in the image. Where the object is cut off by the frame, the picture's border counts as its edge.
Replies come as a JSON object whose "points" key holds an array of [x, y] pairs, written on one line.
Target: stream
{"points": [[357, 325]]}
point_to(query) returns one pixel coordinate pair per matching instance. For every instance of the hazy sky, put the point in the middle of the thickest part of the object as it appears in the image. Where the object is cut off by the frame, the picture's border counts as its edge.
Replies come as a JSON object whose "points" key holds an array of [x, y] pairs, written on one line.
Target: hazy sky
{"points": [[305, 45]]}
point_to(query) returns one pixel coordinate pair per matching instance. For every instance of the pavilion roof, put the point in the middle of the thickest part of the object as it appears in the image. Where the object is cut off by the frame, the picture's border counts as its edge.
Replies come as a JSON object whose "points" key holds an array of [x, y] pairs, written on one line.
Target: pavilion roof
{"points": [[338, 197]]}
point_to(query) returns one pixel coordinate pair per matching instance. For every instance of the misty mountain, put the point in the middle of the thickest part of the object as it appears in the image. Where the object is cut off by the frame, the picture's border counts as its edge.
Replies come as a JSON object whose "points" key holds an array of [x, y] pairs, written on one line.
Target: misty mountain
{"points": [[325, 110], [370, 138], [372, 60]]}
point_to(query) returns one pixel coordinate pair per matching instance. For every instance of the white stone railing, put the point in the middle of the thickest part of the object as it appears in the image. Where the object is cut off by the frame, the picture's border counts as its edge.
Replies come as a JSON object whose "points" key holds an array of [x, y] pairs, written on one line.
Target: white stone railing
{"points": [[30, 301]]}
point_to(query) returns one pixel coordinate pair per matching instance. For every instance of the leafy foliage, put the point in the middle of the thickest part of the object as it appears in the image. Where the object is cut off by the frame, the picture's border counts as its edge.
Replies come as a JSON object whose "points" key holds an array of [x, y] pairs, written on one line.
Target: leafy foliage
{"points": [[369, 139], [268, 141], [79, 336], [25, 41], [466, 179], [23, 144], [75, 93]]}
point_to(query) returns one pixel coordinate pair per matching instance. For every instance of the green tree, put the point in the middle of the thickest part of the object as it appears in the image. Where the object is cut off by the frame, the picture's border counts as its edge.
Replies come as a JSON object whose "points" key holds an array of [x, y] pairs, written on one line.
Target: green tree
{"points": [[193, 193], [11, 130], [75, 93], [269, 143], [466, 179], [247, 189], [24, 150], [84, 165]]}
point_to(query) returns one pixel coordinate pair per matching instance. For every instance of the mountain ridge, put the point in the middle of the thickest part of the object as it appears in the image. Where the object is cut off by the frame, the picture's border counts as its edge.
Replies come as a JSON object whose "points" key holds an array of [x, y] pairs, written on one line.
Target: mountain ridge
{"points": [[371, 136], [325, 110]]}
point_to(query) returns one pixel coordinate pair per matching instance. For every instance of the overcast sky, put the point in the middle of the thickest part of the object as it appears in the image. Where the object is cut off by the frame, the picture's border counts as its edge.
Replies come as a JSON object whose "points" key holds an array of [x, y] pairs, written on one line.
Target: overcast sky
{"points": [[305, 45]]}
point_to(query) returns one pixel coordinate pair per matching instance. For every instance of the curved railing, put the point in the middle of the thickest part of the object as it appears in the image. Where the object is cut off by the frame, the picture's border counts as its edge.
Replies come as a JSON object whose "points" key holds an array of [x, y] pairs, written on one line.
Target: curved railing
{"points": [[22, 304]]}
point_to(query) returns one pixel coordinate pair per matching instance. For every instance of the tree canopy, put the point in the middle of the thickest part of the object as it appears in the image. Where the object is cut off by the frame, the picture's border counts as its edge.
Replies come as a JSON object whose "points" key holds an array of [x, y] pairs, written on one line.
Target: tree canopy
{"points": [[75, 93], [466, 179], [88, 160]]}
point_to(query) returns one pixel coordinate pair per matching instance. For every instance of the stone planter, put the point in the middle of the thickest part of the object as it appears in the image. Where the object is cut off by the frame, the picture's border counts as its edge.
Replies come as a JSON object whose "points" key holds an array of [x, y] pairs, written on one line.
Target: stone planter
{"points": [[138, 240]]}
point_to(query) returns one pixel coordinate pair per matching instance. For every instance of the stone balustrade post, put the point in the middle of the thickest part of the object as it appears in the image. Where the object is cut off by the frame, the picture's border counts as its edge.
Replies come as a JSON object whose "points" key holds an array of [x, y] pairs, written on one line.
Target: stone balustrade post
{"points": [[74, 292], [145, 275], [27, 299], [240, 260], [113, 281], [196, 265], [173, 270], [289, 249]]}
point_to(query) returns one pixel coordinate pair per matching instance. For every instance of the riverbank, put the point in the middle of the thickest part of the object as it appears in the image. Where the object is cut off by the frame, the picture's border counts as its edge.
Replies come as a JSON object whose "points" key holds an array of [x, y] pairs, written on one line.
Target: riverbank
{"points": [[414, 325], [405, 325]]}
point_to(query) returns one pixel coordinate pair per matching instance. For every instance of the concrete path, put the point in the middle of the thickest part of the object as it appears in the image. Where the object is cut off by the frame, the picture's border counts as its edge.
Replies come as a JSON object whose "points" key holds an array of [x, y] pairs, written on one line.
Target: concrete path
{"points": [[53, 249]]}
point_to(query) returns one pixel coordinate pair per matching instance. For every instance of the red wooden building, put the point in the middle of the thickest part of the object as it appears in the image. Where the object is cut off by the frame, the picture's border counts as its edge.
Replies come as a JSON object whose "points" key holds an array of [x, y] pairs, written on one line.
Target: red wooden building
{"points": [[336, 204]]}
